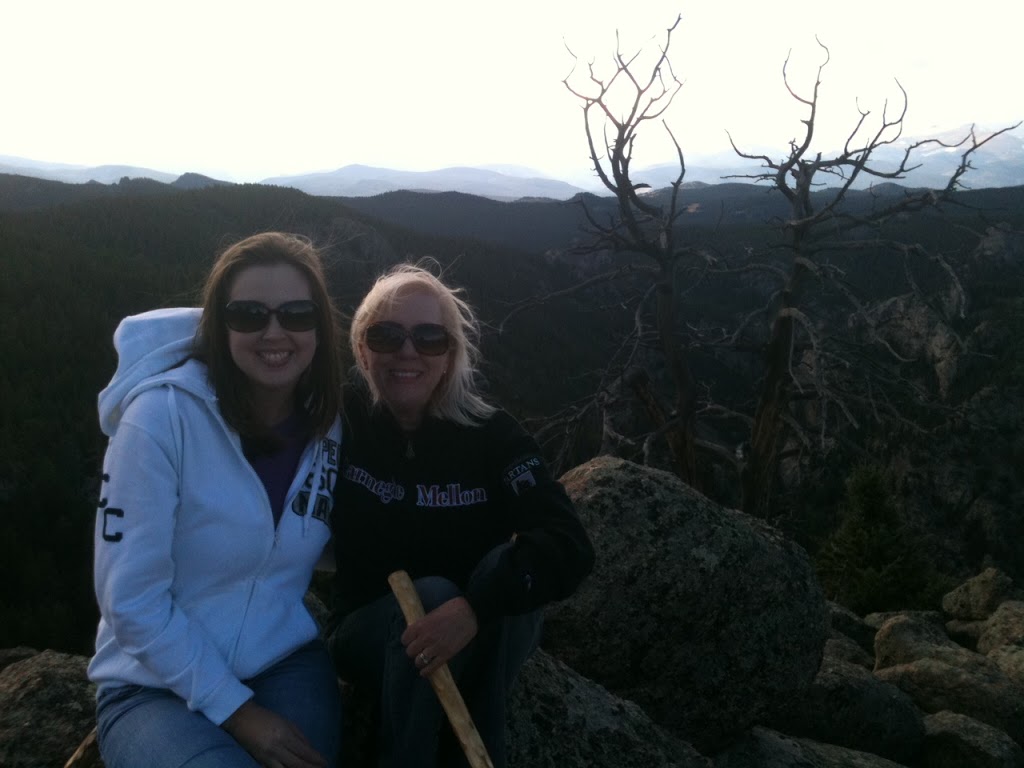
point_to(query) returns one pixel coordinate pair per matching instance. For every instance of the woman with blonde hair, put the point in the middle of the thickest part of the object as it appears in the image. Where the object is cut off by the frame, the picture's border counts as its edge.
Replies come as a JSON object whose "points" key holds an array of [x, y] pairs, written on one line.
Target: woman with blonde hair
{"points": [[440, 483]]}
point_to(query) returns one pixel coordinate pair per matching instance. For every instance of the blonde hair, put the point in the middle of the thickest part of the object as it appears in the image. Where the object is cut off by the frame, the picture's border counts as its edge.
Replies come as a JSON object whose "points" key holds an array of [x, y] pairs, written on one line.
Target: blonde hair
{"points": [[457, 397]]}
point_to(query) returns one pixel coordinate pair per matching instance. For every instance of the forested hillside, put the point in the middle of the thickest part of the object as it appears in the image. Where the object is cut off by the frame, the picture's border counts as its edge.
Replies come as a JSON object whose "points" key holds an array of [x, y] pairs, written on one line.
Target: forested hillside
{"points": [[945, 496], [71, 271]]}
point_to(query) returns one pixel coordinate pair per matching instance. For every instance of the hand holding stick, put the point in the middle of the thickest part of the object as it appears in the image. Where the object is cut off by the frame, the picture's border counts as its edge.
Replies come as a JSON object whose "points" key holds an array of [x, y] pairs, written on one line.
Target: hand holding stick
{"points": [[441, 679]]}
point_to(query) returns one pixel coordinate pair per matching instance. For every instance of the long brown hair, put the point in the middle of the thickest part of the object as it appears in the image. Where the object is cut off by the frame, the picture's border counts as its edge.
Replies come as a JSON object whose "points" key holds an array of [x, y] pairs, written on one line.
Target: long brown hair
{"points": [[319, 390]]}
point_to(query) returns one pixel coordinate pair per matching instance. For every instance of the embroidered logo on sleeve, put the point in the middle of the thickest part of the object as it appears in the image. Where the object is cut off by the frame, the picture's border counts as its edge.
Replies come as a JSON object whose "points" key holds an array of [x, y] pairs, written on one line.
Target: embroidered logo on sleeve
{"points": [[109, 526], [522, 475]]}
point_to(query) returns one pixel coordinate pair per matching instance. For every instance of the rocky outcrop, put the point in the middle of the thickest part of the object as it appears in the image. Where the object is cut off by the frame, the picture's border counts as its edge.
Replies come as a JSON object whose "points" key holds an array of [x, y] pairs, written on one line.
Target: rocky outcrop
{"points": [[978, 598], [843, 648], [1010, 659], [1000, 248], [965, 633], [848, 624], [930, 702], [555, 718], [978, 690], [955, 741], [10, 656], [701, 618], [876, 620], [706, 617], [46, 707], [975, 700], [763, 748], [915, 330], [558, 718], [905, 637], [849, 707], [1003, 628], [914, 653]]}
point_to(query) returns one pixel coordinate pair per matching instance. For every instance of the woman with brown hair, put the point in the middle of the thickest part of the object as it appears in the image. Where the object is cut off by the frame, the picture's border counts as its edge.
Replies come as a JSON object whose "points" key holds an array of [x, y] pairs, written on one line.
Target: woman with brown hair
{"points": [[217, 491]]}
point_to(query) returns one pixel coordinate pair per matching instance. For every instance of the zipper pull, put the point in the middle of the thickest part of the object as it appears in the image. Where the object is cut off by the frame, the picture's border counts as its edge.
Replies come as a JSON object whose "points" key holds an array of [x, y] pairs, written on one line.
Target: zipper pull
{"points": [[409, 452]]}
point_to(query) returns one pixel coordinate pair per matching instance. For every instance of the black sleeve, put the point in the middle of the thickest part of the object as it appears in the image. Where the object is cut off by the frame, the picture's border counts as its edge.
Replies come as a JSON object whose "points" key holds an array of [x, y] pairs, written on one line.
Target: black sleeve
{"points": [[551, 553]]}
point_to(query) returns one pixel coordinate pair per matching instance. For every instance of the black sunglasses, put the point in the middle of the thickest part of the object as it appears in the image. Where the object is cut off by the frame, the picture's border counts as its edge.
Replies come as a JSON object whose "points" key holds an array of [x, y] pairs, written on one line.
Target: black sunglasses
{"points": [[428, 339], [251, 316]]}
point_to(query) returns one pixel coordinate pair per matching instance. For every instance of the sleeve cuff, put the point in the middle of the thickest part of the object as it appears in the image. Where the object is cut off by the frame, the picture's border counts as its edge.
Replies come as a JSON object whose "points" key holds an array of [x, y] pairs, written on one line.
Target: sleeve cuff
{"points": [[225, 701]]}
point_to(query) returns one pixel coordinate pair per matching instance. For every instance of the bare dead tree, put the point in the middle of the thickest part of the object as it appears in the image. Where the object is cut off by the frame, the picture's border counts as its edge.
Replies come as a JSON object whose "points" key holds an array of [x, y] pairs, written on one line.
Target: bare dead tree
{"points": [[818, 379], [798, 365], [615, 109]]}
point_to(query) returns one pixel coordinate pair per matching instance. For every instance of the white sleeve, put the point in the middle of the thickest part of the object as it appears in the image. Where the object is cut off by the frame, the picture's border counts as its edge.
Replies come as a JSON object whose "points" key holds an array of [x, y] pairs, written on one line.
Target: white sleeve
{"points": [[134, 569]]}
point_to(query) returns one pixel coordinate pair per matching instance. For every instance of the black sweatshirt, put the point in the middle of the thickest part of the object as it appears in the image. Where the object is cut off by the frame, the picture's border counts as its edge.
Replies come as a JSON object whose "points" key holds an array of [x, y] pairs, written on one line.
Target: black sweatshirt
{"points": [[434, 503]]}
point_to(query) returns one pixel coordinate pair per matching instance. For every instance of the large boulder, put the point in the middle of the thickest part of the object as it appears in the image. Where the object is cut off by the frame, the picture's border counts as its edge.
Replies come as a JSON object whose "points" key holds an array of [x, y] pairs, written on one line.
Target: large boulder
{"points": [[10, 656], [877, 620], [844, 649], [1010, 659], [764, 748], [849, 707], [906, 637], [849, 624], [706, 617], [955, 741], [47, 706], [965, 633], [1005, 627], [979, 597], [558, 719]]}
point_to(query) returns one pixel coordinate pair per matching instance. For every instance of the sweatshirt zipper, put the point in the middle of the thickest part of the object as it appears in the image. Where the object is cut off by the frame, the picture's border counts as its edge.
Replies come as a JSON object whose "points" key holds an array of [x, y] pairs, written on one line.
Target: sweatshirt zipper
{"points": [[257, 577]]}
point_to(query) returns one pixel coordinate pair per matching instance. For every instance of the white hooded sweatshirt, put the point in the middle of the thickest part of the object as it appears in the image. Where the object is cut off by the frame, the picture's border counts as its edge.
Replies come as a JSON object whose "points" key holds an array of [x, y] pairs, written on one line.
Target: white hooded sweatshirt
{"points": [[198, 591]]}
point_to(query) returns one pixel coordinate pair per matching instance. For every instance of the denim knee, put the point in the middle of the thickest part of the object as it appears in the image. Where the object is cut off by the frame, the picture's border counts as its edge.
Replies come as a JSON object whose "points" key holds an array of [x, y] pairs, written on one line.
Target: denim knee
{"points": [[152, 727], [303, 689], [435, 591]]}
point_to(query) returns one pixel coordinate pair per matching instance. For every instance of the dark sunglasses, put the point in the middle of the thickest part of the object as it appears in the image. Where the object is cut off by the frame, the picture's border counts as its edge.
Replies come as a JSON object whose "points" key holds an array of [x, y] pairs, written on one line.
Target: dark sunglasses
{"points": [[428, 339], [252, 316]]}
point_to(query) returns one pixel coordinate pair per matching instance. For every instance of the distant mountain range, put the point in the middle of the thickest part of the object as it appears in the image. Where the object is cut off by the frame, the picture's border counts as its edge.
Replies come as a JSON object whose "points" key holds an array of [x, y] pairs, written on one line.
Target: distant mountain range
{"points": [[79, 174], [365, 181], [508, 183], [999, 164]]}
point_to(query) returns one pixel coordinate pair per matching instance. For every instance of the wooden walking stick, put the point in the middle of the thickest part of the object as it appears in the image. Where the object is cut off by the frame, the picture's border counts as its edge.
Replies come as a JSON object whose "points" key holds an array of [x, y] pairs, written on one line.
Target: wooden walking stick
{"points": [[442, 681], [87, 755]]}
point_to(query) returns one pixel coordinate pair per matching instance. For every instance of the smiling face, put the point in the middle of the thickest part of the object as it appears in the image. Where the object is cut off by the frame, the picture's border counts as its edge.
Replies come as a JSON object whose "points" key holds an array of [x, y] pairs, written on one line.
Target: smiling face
{"points": [[272, 359], [405, 379]]}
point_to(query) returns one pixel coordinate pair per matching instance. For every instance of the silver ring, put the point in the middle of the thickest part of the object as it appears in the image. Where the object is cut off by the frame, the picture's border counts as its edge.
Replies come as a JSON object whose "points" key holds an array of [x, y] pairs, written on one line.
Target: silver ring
{"points": [[423, 659]]}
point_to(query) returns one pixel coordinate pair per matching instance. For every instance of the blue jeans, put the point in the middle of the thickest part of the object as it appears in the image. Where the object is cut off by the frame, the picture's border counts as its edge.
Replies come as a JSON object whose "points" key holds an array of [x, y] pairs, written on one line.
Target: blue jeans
{"points": [[139, 727], [368, 652]]}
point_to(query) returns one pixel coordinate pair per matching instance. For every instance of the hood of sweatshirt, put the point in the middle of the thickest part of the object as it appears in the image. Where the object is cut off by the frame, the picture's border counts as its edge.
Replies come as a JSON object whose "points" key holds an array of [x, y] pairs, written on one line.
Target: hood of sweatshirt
{"points": [[155, 349], [151, 348]]}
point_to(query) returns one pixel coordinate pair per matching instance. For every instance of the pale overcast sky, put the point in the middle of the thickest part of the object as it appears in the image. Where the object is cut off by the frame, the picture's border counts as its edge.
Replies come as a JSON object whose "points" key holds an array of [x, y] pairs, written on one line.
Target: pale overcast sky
{"points": [[247, 90]]}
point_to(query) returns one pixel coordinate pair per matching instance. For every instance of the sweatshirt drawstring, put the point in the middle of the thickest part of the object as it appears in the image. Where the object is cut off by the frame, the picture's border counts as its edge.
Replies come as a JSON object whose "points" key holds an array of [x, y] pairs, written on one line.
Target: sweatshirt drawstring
{"points": [[178, 438]]}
